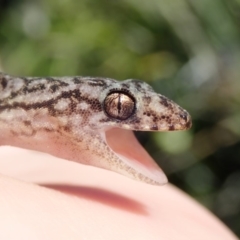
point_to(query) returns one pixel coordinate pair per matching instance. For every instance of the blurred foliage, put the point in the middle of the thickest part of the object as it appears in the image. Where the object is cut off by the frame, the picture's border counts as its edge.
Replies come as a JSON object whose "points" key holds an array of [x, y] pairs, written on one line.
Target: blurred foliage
{"points": [[188, 50]]}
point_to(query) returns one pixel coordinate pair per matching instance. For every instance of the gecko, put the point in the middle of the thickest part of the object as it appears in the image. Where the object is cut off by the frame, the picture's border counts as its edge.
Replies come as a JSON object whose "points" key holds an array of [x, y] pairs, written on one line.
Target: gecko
{"points": [[88, 120]]}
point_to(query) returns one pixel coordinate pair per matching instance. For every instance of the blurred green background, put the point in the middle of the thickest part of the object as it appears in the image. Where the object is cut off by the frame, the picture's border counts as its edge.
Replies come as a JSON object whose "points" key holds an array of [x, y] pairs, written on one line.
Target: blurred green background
{"points": [[186, 49]]}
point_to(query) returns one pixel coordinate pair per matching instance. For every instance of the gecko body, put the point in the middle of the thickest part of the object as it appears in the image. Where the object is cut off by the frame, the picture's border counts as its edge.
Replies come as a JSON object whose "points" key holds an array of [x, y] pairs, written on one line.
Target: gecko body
{"points": [[70, 117]]}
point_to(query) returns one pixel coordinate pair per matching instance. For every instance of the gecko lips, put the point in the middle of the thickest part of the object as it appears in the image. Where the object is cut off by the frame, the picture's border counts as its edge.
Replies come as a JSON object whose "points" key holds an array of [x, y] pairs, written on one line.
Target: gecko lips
{"points": [[134, 157]]}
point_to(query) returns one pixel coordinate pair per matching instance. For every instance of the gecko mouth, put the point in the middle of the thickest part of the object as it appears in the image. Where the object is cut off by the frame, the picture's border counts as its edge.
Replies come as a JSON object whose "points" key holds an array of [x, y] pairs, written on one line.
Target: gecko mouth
{"points": [[136, 160]]}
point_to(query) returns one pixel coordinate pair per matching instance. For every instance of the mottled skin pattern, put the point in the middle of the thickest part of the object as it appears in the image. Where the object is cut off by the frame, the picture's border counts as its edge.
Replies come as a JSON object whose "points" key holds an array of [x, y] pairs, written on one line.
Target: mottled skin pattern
{"points": [[71, 113]]}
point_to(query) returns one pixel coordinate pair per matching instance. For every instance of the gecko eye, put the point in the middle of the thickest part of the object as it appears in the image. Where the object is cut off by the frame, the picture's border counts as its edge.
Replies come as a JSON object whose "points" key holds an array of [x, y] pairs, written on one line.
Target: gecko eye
{"points": [[119, 105]]}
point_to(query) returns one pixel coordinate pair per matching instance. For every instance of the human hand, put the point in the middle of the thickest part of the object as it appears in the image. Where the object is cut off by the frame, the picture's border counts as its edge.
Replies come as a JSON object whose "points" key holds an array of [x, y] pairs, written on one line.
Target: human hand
{"points": [[42, 197]]}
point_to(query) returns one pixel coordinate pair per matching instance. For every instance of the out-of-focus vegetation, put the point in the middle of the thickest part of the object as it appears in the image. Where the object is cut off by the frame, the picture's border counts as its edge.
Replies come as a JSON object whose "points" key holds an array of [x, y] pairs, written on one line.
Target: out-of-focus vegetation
{"points": [[188, 50]]}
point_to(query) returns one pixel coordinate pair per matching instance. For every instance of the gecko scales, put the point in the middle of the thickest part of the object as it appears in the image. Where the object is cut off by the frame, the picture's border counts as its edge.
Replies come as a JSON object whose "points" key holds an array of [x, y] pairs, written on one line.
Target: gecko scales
{"points": [[87, 120]]}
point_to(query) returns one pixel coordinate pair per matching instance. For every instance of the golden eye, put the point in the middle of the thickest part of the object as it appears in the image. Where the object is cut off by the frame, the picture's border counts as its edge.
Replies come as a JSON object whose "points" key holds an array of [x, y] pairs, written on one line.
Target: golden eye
{"points": [[119, 105]]}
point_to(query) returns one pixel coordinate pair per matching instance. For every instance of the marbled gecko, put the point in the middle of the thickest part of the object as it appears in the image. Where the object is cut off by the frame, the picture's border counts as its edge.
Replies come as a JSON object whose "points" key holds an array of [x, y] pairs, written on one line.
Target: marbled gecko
{"points": [[85, 119]]}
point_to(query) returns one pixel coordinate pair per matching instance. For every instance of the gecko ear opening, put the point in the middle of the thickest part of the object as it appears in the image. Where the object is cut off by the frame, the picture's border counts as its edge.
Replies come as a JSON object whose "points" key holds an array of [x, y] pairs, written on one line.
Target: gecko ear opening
{"points": [[125, 145]]}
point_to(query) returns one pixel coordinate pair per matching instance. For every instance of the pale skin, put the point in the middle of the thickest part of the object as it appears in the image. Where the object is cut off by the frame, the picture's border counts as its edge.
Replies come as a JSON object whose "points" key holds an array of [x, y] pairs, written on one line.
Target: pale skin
{"points": [[73, 201], [90, 122]]}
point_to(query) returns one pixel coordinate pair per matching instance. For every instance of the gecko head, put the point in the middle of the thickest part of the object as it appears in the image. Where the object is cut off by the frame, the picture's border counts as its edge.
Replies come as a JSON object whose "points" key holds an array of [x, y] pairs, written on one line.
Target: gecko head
{"points": [[134, 105]]}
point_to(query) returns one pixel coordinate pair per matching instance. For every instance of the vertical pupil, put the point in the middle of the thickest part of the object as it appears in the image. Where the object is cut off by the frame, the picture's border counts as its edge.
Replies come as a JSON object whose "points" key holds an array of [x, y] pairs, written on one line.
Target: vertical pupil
{"points": [[119, 104]]}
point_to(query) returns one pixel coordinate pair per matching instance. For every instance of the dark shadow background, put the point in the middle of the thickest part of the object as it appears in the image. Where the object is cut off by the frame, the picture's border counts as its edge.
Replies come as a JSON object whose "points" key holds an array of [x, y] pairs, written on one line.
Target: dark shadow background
{"points": [[188, 50]]}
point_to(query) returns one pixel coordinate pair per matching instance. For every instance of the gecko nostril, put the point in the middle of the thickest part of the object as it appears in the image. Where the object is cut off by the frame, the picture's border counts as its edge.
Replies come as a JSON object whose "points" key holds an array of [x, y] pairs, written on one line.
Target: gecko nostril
{"points": [[187, 119], [184, 116]]}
